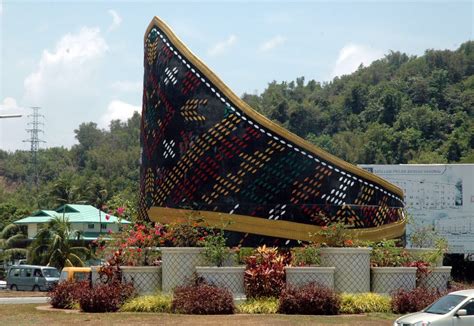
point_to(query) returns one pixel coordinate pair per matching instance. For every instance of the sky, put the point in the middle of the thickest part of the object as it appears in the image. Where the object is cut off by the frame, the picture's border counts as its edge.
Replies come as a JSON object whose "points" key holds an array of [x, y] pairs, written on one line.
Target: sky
{"points": [[83, 61]]}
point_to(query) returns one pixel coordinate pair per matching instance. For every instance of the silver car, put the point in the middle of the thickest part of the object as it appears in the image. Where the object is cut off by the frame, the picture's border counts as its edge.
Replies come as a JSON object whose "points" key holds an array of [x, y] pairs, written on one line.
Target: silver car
{"points": [[454, 309]]}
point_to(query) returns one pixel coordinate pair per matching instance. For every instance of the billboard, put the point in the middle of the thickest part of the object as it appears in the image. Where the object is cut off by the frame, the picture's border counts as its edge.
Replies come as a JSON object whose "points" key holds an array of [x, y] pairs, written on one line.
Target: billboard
{"points": [[441, 195]]}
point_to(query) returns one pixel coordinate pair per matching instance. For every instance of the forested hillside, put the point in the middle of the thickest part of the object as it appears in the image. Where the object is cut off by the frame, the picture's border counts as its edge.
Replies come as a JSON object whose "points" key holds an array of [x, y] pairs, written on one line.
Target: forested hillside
{"points": [[400, 109]]}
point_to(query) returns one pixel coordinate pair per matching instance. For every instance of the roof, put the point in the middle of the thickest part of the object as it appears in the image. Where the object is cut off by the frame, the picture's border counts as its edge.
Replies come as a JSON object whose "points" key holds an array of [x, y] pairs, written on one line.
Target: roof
{"points": [[31, 266], [74, 213]]}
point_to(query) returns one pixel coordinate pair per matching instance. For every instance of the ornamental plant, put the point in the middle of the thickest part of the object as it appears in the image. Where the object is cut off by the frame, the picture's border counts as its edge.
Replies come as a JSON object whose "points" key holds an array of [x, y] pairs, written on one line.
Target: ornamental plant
{"points": [[66, 294], [202, 299], [186, 234], [307, 255], [136, 244], [422, 269], [335, 235], [310, 299], [265, 273], [387, 254], [215, 250], [105, 297], [404, 301]]}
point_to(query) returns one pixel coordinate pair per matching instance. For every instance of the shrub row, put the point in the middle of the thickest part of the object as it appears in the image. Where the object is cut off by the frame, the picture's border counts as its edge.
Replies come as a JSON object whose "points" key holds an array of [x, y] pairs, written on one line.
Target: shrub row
{"points": [[99, 298], [202, 298]]}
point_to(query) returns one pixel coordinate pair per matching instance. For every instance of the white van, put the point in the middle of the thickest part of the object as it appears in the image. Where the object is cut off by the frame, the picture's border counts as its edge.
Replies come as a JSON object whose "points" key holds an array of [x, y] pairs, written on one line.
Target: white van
{"points": [[31, 278]]}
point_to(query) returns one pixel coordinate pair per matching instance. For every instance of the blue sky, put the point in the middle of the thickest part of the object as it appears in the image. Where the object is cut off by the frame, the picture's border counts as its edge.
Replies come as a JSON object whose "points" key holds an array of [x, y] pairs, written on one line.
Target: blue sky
{"points": [[83, 61]]}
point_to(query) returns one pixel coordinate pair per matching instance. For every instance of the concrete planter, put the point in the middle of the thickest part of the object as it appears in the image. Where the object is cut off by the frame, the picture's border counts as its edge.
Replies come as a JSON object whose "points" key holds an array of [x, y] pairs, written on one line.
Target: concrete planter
{"points": [[352, 265], [386, 280], [437, 279], [300, 276], [231, 278], [178, 265], [145, 279]]}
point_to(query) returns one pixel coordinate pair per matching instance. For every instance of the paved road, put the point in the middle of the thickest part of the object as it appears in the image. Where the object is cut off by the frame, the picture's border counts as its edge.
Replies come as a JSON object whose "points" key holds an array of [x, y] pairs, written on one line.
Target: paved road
{"points": [[23, 300]]}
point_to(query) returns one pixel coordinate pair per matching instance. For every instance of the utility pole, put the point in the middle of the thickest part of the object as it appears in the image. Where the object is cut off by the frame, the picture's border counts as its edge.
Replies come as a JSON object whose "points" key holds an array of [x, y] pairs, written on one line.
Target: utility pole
{"points": [[34, 129]]}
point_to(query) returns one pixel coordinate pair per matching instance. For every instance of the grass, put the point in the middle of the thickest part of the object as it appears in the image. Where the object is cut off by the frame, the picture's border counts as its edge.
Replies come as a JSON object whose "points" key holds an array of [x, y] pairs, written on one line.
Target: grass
{"points": [[27, 314]]}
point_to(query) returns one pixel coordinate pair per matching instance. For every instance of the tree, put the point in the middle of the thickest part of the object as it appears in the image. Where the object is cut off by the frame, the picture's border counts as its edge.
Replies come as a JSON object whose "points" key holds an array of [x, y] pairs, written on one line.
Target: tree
{"points": [[9, 238], [280, 113], [53, 245]]}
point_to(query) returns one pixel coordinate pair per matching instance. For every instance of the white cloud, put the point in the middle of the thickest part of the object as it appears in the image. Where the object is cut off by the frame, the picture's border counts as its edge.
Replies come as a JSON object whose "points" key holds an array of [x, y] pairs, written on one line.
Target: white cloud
{"points": [[116, 20], [8, 103], [272, 43], [68, 67], [127, 86], [223, 46], [117, 110], [351, 56]]}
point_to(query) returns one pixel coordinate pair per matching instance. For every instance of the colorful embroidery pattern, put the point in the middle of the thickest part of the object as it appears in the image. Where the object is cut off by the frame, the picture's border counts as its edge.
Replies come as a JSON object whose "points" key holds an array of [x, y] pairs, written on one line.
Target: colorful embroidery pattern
{"points": [[200, 151]]}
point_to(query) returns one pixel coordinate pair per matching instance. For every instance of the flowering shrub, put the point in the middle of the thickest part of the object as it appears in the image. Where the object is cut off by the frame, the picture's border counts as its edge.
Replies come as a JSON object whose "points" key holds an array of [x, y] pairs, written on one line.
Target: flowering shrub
{"points": [[411, 301], [134, 244], [202, 299], [66, 294], [387, 254], [187, 234], [265, 273], [335, 235], [311, 299], [105, 297]]}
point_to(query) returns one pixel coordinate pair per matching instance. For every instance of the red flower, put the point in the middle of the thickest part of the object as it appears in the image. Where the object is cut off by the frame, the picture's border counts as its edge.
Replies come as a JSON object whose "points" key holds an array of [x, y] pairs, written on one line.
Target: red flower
{"points": [[348, 243], [107, 217], [120, 210]]}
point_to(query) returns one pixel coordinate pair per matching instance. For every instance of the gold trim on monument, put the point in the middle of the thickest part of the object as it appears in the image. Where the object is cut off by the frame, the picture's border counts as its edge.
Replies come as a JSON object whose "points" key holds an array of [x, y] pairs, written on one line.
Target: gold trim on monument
{"points": [[271, 228], [262, 119]]}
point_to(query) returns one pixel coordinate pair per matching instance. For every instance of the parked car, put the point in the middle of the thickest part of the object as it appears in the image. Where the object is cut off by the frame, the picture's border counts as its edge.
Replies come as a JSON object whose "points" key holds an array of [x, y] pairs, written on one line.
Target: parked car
{"points": [[31, 277], [75, 273], [454, 309], [3, 285]]}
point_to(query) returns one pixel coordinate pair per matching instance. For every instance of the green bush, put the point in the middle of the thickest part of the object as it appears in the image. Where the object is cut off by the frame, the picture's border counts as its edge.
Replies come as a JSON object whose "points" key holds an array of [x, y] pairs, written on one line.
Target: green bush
{"points": [[258, 306], [365, 303], [148, 303]]}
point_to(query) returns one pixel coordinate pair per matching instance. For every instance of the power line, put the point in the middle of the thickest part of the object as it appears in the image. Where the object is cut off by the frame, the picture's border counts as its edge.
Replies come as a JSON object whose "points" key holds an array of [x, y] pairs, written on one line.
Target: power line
{"points": [[34, 140]]}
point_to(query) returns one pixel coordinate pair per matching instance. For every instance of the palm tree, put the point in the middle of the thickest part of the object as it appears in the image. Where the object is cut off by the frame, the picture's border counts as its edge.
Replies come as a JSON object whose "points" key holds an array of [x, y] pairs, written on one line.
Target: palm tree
{"points": [[9, 237], [53, 245]]}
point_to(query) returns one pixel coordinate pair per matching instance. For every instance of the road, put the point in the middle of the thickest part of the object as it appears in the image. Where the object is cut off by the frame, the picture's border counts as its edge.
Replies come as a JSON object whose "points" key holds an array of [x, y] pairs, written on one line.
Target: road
{"points": [[23, 300]]}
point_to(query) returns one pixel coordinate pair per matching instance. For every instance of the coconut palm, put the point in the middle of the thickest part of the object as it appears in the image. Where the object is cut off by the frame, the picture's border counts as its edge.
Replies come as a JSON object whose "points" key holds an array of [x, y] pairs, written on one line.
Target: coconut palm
{"points": [[9, 237], [53, 245]]}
